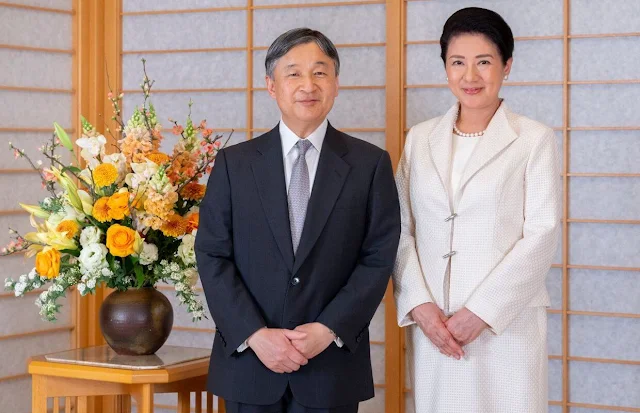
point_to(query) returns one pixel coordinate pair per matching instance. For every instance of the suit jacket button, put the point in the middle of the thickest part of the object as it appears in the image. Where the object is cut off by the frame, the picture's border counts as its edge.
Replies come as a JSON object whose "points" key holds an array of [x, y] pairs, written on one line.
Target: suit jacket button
{"points": [[295, 281]]}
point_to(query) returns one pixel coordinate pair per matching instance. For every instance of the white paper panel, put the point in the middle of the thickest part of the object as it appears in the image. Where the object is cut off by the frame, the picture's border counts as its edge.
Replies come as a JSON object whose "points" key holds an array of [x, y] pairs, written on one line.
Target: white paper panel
{"points": [[184, 31], [9, 221], [605, 151], [409, 405], [554, 334], [337, 23], [604, 244], [604, 198], [220, 109], [555, 380], [16, 352], [604, 337], [375, 405], [377, 363], [146, 5], [620, 16], [545, 108], [425, 104], [604, 59], [604, 105], [182, 318], [53, 4], [607, 291], [610, 384], [271, 2], [207, 70], [16, 395], [424, 65], [20, 314], [39, 73], [554, 287], [26, 188], [33, 110], [191, 339], [376, 138], [426, 19], [557, 409], [28, 141], [35, 28], [14, 265], [376, 328]]}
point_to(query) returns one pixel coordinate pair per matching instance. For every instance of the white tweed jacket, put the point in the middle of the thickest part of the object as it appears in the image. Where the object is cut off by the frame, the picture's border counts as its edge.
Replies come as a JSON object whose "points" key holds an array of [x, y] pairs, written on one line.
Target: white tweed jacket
{"points": [[492, 253]]}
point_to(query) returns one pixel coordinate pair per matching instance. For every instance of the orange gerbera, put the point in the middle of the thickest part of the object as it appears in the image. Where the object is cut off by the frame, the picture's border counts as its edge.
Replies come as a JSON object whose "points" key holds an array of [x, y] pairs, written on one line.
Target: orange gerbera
{"points": [[193, 191], [193, 219], [174, 226]]}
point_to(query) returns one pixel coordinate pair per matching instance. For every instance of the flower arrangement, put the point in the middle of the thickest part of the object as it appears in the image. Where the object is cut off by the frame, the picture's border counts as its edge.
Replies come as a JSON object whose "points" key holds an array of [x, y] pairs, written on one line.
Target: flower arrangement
{"points": [[127, 219]]}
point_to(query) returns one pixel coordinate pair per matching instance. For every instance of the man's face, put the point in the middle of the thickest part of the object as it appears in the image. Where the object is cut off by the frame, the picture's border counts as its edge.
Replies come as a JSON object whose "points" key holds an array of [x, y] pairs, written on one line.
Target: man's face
{"points": [[304, 85]]}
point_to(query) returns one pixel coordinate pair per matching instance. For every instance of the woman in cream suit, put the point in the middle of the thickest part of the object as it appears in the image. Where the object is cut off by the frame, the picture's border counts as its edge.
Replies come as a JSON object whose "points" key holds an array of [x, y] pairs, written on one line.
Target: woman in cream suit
{"points": [[480, 201]]}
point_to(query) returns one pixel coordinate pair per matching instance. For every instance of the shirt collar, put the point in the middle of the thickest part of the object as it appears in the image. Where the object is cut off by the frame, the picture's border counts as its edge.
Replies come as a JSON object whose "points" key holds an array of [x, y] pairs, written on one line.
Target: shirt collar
{"points": [[289, 139]]}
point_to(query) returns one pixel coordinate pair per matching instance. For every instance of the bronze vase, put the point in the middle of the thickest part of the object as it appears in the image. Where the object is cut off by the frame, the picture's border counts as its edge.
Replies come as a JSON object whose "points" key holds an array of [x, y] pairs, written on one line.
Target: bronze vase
{"points": [[137, 321]]}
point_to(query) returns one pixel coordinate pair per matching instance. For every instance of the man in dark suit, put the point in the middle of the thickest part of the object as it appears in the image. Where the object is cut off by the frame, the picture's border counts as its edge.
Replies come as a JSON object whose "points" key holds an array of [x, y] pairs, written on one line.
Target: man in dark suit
{"points": [[296, 243]]}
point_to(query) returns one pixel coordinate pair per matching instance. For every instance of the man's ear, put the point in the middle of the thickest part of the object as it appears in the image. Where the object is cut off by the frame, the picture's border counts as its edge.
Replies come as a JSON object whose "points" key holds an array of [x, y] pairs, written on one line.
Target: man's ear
{"points": [[271, 86]]}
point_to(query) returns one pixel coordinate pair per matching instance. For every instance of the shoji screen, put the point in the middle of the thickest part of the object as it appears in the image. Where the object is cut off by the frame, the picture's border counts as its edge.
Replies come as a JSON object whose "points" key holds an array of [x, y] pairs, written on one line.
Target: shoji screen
{"points": [[213, 53], [36, 89], [575, 69]]}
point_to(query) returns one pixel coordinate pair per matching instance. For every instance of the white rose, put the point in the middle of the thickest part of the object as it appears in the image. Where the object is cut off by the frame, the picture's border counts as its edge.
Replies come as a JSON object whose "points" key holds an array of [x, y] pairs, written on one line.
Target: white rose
{"points": [[91, 283], [148, 254], [90, 235], [81, 288], [186, 250], [191, 275], [93, 257]]}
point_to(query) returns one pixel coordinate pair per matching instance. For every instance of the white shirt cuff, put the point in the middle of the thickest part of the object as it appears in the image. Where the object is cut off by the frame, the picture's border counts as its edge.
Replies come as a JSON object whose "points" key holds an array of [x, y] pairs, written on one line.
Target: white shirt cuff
{"points": [[338, 342], [242, 347]]}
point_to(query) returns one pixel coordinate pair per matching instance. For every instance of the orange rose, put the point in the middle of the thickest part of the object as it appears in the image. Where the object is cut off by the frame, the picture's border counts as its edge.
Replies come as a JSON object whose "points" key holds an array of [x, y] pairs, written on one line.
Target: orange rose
{"points": [[123, 241], [118, 205], [48, 262]]}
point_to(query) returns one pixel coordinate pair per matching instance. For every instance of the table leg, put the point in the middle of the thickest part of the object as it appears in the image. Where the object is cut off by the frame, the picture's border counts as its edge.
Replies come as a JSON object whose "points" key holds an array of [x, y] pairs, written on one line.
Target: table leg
{"points": [[184, 402], [38, 394], [143, 393]]}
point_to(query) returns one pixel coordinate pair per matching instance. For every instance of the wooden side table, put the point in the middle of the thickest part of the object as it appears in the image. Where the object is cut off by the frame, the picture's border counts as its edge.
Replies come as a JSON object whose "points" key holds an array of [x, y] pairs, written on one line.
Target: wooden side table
{"points": [[76, 375]]}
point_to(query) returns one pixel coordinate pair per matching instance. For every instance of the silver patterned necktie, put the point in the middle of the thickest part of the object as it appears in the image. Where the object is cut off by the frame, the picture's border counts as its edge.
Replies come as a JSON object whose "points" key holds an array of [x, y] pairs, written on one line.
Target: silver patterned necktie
{"points": [[299, 193]]}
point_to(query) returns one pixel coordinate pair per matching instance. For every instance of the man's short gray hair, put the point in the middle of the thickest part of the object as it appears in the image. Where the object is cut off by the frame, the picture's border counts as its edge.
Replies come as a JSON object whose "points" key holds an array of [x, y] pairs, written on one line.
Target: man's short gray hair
{"points": [[296, 37]]}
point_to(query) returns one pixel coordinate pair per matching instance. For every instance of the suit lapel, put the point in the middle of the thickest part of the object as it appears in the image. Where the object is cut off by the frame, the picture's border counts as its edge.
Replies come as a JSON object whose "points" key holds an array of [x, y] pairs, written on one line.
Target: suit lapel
{"points": [[498, 136], [440, 146], [330, 177], [268, 172]]}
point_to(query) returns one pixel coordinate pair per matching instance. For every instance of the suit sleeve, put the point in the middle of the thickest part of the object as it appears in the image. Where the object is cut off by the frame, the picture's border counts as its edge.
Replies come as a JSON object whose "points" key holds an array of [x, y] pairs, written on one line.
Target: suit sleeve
{"points": [[233, 309], [351, 310], [509, 288], [409, 287]]}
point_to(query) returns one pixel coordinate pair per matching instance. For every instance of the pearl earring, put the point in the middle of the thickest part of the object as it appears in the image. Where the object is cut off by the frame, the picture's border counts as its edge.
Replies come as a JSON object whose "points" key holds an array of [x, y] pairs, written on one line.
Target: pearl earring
{"points": [[447, 78], [506, 77]]}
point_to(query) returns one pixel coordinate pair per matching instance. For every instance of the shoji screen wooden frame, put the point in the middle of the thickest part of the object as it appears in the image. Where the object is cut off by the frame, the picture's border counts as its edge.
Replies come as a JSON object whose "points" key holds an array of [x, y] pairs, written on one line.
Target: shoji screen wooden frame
{"points": [[98, 45]]}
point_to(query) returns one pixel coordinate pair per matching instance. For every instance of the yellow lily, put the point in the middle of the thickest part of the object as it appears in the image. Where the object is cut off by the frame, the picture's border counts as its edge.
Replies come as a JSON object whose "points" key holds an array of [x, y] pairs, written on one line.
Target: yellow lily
{"points": [[35, 210], [70, 188], [47, 235], [87, 201]]}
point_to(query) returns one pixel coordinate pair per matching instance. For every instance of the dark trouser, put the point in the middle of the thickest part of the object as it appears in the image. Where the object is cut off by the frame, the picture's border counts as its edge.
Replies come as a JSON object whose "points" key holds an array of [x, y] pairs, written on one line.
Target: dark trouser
{"points": [[287, 404]]}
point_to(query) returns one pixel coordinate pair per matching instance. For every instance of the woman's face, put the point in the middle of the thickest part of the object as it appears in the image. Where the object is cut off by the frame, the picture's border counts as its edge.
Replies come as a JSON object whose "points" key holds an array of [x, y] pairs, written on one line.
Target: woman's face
{"points": [[475, 70]]}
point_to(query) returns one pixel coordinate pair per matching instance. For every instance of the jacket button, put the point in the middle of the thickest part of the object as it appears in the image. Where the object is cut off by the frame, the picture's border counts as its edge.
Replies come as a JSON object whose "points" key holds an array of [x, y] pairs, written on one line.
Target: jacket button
{"points": [[295, 281], [450, 217]]}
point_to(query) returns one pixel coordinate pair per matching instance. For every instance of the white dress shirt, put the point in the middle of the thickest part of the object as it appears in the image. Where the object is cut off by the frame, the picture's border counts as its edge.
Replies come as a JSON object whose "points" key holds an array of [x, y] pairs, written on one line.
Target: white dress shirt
{"points": [[290, 152]]}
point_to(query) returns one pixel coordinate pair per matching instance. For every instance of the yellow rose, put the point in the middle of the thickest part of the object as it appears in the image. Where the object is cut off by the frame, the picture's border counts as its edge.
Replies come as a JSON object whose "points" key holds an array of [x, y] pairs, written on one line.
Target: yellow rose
{"points": [[118, 205], [123, 241], [48, 262]]}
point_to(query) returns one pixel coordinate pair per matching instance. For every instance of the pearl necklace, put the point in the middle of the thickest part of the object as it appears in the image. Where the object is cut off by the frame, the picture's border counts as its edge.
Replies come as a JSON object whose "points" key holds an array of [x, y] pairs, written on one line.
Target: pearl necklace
{"points": [[463, 134]]}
